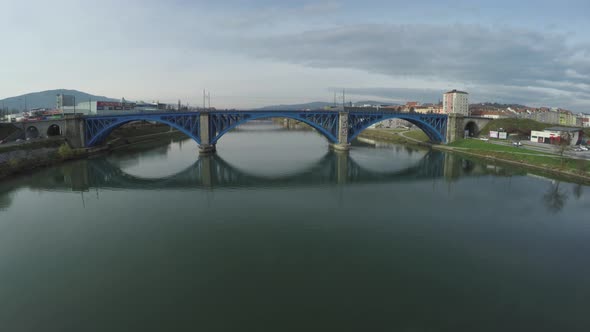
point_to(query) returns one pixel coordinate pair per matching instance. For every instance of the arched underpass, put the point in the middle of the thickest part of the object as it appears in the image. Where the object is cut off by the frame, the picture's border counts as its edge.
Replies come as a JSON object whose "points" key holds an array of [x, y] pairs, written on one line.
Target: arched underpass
{"points": [[471, 129], [32, 132], [53, 130]]}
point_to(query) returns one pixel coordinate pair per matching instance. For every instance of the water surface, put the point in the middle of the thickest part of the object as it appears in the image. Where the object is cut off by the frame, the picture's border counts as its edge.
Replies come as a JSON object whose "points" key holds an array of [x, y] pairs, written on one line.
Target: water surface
{"points": [[276, 233]]}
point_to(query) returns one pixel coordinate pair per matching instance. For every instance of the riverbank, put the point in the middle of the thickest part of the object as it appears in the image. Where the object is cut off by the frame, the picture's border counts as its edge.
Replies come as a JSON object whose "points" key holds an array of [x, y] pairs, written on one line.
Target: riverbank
{"points": [[30, 156], [545, 163], [397, 136]]}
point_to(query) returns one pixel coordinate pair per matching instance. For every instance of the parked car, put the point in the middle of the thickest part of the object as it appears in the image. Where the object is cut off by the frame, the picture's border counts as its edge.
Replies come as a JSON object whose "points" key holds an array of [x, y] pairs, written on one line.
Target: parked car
{"points": [[517, 144], [584, 148]]}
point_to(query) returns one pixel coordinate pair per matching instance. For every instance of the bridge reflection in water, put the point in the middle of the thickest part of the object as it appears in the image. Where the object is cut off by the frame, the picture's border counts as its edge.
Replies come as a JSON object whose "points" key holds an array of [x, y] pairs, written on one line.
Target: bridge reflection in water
{"points": [[210, 172]]}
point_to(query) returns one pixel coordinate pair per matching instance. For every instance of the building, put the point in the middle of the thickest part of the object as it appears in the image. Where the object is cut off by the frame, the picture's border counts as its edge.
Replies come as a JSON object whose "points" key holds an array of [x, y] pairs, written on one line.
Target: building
{"points": [[554, 135], [100, 107], [63, 101], [429, 109], [456, 102], [584, 120]]}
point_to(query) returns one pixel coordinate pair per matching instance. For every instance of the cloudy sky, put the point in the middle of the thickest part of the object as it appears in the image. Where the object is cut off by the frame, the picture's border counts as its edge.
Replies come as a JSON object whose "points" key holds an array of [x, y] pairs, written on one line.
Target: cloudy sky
{"points": [[255, 53]]}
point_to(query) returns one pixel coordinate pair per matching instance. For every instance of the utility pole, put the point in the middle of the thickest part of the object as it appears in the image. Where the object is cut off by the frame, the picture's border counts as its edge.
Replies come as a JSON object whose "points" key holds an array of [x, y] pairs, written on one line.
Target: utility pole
{"points": [[343, 99], [209, 100], [204, 96]]}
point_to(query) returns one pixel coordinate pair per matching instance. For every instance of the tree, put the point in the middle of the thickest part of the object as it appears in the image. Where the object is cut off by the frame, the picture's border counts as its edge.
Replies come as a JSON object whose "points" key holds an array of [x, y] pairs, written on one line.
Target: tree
{"points": [[562, 143]]}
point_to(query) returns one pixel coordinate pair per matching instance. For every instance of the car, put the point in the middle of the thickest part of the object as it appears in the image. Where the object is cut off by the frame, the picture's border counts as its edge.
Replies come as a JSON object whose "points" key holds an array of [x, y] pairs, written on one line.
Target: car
{"points": [[517, 144], [578, 150], [584, 148]]}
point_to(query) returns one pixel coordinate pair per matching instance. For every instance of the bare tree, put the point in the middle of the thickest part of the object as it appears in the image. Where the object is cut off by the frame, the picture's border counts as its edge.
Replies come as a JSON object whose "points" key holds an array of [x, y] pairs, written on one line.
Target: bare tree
{"points": [[562, 143], [555, 198]]}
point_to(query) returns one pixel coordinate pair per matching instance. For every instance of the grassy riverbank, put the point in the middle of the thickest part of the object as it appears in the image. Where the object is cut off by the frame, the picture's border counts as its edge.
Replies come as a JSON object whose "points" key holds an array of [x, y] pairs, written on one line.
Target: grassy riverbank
{"points": [[541, 162], [523, 157], [399, 136]]}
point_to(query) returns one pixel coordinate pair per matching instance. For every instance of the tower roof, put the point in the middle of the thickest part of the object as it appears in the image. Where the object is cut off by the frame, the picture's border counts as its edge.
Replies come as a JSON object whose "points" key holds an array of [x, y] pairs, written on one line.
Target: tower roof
{"points": [[457, 91]]}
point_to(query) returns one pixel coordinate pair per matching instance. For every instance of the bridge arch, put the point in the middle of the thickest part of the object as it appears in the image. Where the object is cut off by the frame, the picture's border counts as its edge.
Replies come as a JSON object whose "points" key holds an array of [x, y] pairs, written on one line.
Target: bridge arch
{"points": [[53, 130], [435, 128], [31, 132], [98, 129], [327, 129], [471, 129]]}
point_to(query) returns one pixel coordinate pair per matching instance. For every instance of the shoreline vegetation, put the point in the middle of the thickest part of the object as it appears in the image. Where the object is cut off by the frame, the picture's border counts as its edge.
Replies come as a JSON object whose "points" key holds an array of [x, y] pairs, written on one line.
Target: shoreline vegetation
{"points": [[37, 154], [30, 156], [550, 164]]}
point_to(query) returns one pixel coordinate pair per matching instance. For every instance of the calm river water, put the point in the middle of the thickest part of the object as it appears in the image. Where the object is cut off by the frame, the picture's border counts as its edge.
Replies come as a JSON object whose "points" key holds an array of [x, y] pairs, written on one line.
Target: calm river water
{"points": [[275, 233]]}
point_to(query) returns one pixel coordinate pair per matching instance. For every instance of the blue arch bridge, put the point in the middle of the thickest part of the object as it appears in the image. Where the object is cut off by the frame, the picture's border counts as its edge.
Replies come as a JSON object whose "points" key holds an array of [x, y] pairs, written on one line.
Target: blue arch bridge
{"points": [[207, 127]]}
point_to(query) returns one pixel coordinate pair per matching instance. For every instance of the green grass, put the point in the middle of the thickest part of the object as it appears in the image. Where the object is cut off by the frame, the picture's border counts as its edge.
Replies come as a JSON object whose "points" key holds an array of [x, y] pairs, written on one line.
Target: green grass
{"points": [[521, 155], [417, 135], [487, 146]]}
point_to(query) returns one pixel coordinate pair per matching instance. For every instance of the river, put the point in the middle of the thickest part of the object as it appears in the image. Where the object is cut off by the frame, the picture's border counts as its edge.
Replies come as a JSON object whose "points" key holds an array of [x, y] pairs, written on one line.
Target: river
{"points": [[276, 233]]}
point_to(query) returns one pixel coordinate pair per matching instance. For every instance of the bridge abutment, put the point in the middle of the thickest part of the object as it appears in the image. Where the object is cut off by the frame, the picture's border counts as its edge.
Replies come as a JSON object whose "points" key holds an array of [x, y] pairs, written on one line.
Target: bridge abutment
{"points": [[74, 131], [454, 127]]}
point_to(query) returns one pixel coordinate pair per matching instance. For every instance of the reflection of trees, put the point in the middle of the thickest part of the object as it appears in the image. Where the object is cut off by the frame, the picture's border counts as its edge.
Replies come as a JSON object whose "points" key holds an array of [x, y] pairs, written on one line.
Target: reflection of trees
{"points": [[5, 201], [578, 191], [555, 198]]}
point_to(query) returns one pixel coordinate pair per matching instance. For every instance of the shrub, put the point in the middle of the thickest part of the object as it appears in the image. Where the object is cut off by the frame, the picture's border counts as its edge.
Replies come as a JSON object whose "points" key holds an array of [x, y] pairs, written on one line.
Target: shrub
{"points": [[14, 163], [65, 151]]}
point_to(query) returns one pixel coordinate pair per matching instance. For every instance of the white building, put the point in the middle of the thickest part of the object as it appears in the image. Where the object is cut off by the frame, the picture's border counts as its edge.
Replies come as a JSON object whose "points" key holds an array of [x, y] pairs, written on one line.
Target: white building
{"points": [[554, 135], [456, 102]]}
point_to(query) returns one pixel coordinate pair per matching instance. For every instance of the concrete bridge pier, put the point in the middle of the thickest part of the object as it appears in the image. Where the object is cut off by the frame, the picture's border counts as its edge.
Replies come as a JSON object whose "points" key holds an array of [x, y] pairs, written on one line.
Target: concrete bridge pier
{"points": [[75, 131], [342, 145], [454, 127], [205, 148]]}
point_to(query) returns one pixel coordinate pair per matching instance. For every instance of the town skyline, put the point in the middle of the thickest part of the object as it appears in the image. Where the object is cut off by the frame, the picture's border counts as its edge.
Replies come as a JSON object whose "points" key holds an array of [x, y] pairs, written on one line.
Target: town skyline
{"points": [[261, 53]]}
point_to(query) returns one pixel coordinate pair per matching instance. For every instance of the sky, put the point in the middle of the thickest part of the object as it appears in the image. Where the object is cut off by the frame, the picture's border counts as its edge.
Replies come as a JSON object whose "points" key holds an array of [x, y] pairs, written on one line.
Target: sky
{"points": [[260, 52]]}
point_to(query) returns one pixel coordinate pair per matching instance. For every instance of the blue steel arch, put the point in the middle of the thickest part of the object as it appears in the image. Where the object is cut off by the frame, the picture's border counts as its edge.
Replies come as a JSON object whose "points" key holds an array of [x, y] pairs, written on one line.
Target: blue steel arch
{"points": [[99, 128], [326, 123], [433, 125]]}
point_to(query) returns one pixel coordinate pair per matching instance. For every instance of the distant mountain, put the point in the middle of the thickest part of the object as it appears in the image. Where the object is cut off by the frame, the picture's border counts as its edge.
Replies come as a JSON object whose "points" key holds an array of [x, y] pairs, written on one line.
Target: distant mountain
{"points": [[316, 105], [46, 99]]}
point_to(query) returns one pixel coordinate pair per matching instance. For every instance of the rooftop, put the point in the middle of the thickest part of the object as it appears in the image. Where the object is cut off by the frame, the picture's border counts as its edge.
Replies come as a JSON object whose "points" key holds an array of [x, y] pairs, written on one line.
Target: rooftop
{"points": [[457, 91], [568, 129]]}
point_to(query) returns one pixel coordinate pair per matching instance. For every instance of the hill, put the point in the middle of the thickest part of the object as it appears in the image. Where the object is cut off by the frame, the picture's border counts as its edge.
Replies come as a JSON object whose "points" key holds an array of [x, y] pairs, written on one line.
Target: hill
{"points": [[45, 99]]}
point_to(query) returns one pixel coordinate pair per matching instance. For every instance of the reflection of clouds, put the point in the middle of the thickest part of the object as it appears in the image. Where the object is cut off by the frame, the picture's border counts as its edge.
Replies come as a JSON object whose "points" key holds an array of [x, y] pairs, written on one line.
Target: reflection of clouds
{"points": [[160, 162], [387, 159], [292, 151]]}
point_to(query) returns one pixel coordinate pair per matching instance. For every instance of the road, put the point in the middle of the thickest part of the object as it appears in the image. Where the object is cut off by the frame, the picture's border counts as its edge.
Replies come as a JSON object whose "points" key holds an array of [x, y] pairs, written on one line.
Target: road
{"points": [[546, 148]]}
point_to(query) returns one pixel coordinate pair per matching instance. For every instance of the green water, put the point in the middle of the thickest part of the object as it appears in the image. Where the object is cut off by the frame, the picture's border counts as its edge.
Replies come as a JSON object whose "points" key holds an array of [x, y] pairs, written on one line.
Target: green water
{"points": [[275, 233]]}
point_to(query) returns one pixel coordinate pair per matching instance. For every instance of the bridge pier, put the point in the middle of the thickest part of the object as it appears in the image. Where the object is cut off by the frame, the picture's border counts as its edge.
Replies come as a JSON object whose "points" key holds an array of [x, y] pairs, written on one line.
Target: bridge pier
{"points": [[454, 127], [74, 131], [205, 148], [342, 145]]}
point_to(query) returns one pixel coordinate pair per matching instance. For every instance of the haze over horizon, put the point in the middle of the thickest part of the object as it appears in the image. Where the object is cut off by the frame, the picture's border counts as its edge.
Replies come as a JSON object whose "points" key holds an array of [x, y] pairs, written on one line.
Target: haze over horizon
{"points": [[259, 53]]}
